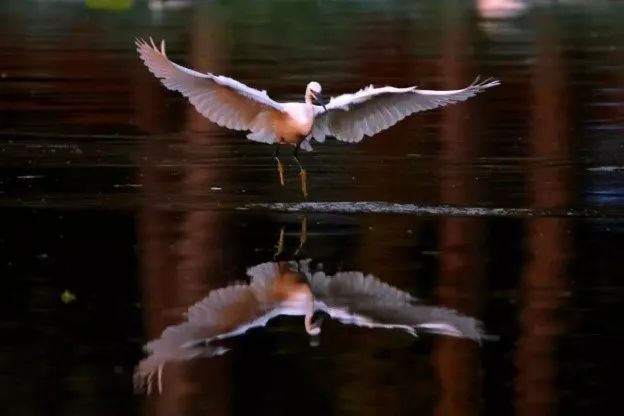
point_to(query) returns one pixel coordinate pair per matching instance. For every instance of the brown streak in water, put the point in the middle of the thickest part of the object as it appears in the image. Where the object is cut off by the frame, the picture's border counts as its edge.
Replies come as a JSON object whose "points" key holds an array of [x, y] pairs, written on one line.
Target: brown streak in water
{"points": [[461, 259], [400, 68], [382, 376], [181, 254], [202, 266], [547, 245]]}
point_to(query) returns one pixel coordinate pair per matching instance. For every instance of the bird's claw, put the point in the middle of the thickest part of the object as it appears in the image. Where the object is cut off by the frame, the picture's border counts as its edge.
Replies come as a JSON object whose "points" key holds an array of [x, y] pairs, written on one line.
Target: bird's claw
{"points": [[149, 378], [279, 247], [303, 235]]}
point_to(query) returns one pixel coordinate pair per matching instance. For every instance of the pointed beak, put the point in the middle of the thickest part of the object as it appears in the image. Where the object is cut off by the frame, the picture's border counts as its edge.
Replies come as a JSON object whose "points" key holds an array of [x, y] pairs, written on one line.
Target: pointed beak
{"points": [[313, 321], [318, 101], [315, 332]]}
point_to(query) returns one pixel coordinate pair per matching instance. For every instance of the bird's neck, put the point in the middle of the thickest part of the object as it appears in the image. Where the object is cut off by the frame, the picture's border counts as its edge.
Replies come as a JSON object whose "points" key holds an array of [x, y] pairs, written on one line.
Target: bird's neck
{"points": [[307, 320], [308, 98]]}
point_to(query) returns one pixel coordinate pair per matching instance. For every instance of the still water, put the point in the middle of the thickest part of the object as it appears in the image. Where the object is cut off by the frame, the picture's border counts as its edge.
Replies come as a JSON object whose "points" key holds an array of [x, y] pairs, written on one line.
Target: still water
{"points": [[121, 207]]}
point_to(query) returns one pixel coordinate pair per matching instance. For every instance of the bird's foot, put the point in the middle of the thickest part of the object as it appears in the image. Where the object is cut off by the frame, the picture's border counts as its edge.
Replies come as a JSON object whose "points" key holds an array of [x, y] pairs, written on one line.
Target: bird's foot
{"points": [[280, 171], [303, 236], [304, 182], [149, 378], [279, 247]]}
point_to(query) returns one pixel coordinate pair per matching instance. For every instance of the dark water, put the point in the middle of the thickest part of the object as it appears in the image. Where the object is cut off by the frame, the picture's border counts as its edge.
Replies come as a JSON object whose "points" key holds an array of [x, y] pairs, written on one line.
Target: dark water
{"points": [[120, 206]]}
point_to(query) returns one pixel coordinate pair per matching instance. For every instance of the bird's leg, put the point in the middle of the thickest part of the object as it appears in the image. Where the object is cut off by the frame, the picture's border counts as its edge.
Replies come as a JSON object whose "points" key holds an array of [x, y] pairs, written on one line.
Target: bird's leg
{"points": [[160, 371], [280, 168], [302, 173], [303, 235], [279, 247]]}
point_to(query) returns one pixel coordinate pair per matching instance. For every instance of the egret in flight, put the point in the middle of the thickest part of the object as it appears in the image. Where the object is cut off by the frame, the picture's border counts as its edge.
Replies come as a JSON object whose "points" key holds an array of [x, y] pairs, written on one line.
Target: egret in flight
{"points": [[348, 117], [290, 288]]}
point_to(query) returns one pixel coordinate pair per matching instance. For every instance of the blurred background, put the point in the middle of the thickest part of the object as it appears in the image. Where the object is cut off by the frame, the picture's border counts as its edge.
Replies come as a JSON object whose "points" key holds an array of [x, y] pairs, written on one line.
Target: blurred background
{"points": [[121, 206]]}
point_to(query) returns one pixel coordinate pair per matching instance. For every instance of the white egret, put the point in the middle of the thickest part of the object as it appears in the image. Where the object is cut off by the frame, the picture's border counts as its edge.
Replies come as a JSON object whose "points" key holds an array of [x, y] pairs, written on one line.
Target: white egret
{"points": [[289, 288], [348, 117]]}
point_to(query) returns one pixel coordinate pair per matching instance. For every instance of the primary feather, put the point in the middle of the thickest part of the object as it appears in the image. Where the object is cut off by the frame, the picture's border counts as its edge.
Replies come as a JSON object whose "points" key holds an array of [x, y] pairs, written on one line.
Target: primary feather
{"points": [[351, 117], [222, 100], [363, 300]]}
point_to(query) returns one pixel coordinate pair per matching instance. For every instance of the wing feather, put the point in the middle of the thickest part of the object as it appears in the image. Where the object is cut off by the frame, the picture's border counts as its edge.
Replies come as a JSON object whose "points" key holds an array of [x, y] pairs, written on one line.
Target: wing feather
{"points": [[222, 100], [351, 117], [224, 313], [363, 300]]}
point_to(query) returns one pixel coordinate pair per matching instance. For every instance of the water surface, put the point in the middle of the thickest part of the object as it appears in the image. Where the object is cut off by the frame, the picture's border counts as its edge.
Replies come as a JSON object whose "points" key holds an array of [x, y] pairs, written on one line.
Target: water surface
{"points": [[121, 206]]}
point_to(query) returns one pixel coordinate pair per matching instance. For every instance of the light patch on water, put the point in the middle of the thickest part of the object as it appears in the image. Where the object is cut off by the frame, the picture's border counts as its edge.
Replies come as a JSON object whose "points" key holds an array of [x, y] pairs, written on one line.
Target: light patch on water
{"points": [[606, 169], [127, 185], [379, 207], [30, 177]]}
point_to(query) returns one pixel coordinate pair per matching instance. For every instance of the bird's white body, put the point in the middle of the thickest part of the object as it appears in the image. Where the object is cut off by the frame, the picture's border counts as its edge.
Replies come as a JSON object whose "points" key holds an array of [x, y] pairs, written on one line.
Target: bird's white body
{"points": [[295, 125], [348, 117], [301, 115]]}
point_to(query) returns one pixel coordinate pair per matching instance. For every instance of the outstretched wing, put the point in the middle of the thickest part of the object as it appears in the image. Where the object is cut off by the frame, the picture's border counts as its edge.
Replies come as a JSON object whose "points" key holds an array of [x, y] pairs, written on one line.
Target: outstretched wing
{"points": [[224, 313], [356, 299], [350, 117], [222, 100]]}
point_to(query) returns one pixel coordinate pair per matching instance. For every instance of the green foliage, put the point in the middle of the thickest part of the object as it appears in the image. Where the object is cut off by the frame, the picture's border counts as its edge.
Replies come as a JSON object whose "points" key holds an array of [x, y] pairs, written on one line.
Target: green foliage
{"points": [[115, 5], [68, 297]]}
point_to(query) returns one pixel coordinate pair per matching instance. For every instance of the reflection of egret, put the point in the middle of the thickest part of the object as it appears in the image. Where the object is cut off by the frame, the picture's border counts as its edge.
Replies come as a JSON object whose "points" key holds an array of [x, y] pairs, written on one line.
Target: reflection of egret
{"points": [[275, 289], [348, 117], [289, 288]]}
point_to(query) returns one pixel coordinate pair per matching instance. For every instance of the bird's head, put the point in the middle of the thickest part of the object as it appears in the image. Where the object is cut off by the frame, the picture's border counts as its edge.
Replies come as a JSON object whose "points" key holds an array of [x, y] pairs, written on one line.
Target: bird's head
{"points": [[314, 87], [313, 90]]}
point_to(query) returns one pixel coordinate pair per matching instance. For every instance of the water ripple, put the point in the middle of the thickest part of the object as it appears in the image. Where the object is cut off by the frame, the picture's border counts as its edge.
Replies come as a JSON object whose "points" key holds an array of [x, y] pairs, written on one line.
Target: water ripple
{"points": [[380, 207]]}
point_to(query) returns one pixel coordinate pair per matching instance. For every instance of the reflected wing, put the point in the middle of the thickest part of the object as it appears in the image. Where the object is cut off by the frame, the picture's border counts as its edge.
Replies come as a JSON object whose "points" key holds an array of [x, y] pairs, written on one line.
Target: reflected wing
{"points": [[222, 100], [224, 313], [350, 117], [356, 299], [263, 274]]}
